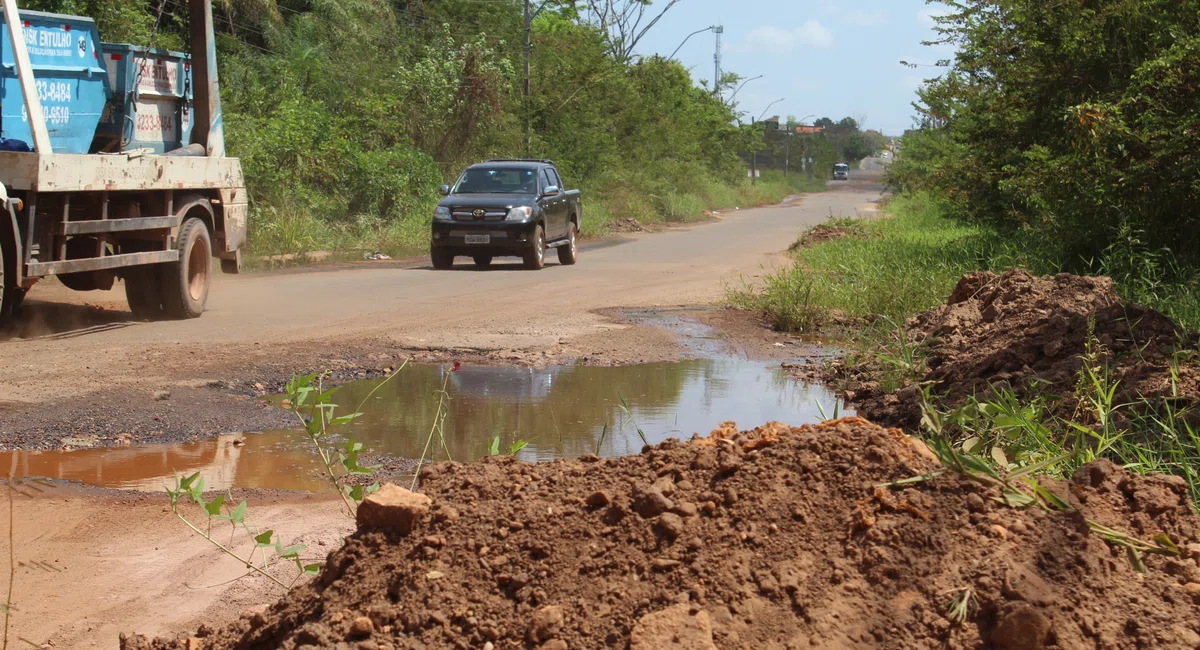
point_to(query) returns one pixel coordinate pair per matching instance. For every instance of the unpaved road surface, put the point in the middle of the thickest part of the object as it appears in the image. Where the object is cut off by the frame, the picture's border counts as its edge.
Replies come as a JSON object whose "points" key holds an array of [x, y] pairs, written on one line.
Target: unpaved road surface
{"points": [[77, 365], [92, 564]]}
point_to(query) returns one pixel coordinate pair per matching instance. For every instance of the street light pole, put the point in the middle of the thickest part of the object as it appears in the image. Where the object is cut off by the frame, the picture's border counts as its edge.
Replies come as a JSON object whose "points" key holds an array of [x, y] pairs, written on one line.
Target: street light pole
{"points": [[685, 40], [735, 92], [769, 107]]}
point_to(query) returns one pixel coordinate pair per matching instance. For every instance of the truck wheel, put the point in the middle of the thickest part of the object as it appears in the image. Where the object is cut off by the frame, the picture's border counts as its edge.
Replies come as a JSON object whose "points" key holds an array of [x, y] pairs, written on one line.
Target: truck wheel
{"points": [[185, 283], [569, 252], [5, 292], [483, 261], [143, 291], [535, 254], [441, 259]]}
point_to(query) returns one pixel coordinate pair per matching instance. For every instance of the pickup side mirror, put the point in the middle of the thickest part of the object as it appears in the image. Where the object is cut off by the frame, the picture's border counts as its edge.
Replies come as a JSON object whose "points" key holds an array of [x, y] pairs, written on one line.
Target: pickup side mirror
{"points": [[444, 190], [551, 190]]}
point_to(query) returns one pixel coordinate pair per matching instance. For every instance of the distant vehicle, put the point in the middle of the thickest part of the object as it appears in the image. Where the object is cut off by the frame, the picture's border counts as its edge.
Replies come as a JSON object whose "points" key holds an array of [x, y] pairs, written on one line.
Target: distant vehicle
{"points": [[503, 208], [841, 172]]}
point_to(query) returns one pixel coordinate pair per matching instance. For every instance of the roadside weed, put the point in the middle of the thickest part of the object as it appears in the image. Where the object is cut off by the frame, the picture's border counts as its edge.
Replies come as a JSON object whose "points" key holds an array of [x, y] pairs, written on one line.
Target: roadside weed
{"points": [[962, 606], [265, 543], [438, 426], [313, 406], [312, 403], [513, 447], [629, 419]]}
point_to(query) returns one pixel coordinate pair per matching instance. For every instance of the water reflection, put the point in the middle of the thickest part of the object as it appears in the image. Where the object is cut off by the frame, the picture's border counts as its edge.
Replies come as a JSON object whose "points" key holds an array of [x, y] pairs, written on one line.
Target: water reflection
{"points": [[562, 411]]}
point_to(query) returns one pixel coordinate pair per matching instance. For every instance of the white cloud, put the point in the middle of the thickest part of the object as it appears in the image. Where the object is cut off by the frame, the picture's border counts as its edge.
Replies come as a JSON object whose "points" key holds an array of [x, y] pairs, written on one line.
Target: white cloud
{"points": [[861, 18], [782, 41]]}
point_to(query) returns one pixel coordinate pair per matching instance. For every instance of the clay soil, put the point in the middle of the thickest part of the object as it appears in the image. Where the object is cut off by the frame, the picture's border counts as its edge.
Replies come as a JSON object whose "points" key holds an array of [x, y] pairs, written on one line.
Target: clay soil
{"points": [[1024, 333], [774, 538]]}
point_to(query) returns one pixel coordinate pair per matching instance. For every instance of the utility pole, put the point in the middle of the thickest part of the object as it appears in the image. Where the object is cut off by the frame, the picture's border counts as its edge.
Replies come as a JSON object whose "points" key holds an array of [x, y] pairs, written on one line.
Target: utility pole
{"points": [[528, 53], [753, 159], [787, 145], [718, 30]]}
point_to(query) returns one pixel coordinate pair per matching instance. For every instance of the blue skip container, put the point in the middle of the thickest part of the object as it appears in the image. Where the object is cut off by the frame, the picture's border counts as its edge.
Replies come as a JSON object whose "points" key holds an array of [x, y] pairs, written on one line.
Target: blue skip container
{"points": [[64, 52], [151, 105]]}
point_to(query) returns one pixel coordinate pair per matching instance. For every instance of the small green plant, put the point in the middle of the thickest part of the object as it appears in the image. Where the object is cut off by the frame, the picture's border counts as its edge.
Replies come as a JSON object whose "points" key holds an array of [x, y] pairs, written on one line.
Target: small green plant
{"points": [[603, 437], [265, 543], [962, 606], [1018, 487], [438, 426], [629, 419], [902, 358], [312, 404], [513, 448]]}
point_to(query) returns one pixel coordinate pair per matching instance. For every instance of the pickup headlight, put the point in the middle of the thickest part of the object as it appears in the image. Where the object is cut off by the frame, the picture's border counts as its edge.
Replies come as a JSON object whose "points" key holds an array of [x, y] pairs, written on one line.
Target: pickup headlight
{"points": [[441, 213], [519, 213]]}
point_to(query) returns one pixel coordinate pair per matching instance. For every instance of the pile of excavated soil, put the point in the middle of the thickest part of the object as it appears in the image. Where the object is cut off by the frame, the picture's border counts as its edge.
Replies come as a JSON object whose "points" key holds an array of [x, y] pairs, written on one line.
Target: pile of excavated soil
{"points": [[1017, 331], [778, 538]]}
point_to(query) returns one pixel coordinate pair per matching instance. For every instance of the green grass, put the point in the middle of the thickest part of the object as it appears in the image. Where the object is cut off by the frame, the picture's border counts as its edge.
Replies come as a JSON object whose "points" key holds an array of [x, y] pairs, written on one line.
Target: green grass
{"points": [[908, 261], [896, 267]]}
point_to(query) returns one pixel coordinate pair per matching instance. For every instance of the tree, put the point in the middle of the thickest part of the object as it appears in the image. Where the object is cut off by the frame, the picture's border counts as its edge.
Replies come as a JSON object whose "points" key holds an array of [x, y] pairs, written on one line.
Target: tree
{"points": [[1074, 118], [624, 22], [824, 123]]}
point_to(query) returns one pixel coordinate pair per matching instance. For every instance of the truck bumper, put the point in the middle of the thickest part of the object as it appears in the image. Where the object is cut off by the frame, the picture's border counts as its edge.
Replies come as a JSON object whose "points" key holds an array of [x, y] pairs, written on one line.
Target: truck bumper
{"points": [[504, 238]]}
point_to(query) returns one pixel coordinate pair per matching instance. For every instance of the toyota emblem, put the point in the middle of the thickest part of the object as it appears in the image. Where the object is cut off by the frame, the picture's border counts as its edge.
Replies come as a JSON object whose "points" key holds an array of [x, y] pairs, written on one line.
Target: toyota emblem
{"points": [[478, 213]]}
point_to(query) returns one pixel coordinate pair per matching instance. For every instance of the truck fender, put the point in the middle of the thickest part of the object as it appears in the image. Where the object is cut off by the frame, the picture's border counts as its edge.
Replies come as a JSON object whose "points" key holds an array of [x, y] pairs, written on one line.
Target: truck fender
{"points": [[196, 205], [10, 239]]}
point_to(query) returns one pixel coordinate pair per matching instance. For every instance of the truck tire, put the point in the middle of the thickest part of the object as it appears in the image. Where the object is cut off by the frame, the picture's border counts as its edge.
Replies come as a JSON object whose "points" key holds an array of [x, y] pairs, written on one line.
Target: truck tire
{"points": [[568, 253], [143, 291], [441, 259], [535, 252], [482, 261], [5, 275], [185, 283]]}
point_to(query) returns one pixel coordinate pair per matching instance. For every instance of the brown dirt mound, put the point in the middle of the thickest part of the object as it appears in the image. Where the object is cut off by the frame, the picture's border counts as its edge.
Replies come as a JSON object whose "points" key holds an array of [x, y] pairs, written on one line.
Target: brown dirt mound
{"points": [[1008, 330], [819, 234], [779, 538]]}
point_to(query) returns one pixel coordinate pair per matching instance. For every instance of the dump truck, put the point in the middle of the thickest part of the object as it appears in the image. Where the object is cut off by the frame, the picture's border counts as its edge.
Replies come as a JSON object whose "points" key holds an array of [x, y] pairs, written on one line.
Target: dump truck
{"points": [[113, 165]]}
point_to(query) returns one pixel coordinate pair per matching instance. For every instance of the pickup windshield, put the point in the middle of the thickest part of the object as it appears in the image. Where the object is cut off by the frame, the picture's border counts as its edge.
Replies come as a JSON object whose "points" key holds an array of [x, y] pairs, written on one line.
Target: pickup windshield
{"points": [[497, 180], [841, 167]]}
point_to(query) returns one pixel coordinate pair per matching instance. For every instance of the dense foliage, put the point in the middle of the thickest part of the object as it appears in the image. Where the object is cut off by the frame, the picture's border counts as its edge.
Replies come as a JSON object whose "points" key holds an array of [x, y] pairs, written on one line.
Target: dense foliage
{"points": [[347, 114], [1074, 119]]}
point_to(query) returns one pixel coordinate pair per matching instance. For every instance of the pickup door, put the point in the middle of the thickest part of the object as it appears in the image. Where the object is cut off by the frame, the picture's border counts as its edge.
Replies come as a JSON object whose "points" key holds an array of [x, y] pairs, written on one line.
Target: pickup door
{"points": [[554, 206]]}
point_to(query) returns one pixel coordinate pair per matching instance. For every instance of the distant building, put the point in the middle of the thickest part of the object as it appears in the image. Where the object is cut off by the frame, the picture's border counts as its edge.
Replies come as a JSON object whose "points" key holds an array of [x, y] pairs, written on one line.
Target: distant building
{"points": [[805, 129], [773, 122]]}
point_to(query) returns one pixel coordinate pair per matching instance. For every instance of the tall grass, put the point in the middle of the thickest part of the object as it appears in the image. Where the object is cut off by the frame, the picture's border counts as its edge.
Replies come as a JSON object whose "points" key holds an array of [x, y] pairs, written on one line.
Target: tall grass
{"points": [[1143, 435], [898, 266], [909, 260]]}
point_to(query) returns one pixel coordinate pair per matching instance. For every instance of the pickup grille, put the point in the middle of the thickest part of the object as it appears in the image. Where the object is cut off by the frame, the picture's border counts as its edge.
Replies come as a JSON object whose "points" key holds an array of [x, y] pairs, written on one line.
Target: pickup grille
{"points": [[489, 214]]}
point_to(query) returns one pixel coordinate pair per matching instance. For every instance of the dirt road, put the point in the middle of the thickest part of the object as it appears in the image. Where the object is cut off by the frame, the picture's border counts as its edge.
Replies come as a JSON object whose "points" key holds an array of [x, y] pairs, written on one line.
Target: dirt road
{"points": [[78, 366]]}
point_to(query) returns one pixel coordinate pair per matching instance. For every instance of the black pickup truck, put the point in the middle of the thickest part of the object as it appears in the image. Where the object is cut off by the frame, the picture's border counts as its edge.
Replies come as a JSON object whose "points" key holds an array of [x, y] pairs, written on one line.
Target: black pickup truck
{"points": [[506, 208]]}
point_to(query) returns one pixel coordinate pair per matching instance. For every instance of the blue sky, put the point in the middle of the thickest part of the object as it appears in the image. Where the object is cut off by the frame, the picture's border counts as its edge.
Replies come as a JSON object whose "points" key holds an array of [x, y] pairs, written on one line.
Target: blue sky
{"points": [[831, 59]]}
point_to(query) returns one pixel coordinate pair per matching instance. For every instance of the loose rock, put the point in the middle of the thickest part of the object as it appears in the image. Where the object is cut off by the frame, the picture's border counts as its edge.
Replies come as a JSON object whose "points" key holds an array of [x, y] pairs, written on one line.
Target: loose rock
{"points": [[392, 507]]}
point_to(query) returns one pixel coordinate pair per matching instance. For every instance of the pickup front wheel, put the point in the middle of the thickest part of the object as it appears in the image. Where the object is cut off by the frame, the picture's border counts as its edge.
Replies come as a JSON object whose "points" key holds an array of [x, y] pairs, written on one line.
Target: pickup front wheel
{"points": [[442, 260], [535, 254]]}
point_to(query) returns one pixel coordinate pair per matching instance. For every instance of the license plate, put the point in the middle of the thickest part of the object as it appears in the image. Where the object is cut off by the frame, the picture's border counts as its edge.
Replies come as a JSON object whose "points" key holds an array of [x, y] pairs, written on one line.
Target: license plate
{"points": [[478, 239]]}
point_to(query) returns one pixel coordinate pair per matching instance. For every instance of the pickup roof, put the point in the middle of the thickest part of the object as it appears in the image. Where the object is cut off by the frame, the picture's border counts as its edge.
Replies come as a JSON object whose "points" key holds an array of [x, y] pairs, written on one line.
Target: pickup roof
{"points": [[506, 208]]}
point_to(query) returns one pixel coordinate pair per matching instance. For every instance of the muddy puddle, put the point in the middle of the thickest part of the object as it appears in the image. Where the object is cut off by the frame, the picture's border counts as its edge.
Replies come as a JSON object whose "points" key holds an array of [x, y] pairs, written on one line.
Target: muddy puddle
{"points": [[559, 411]]}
